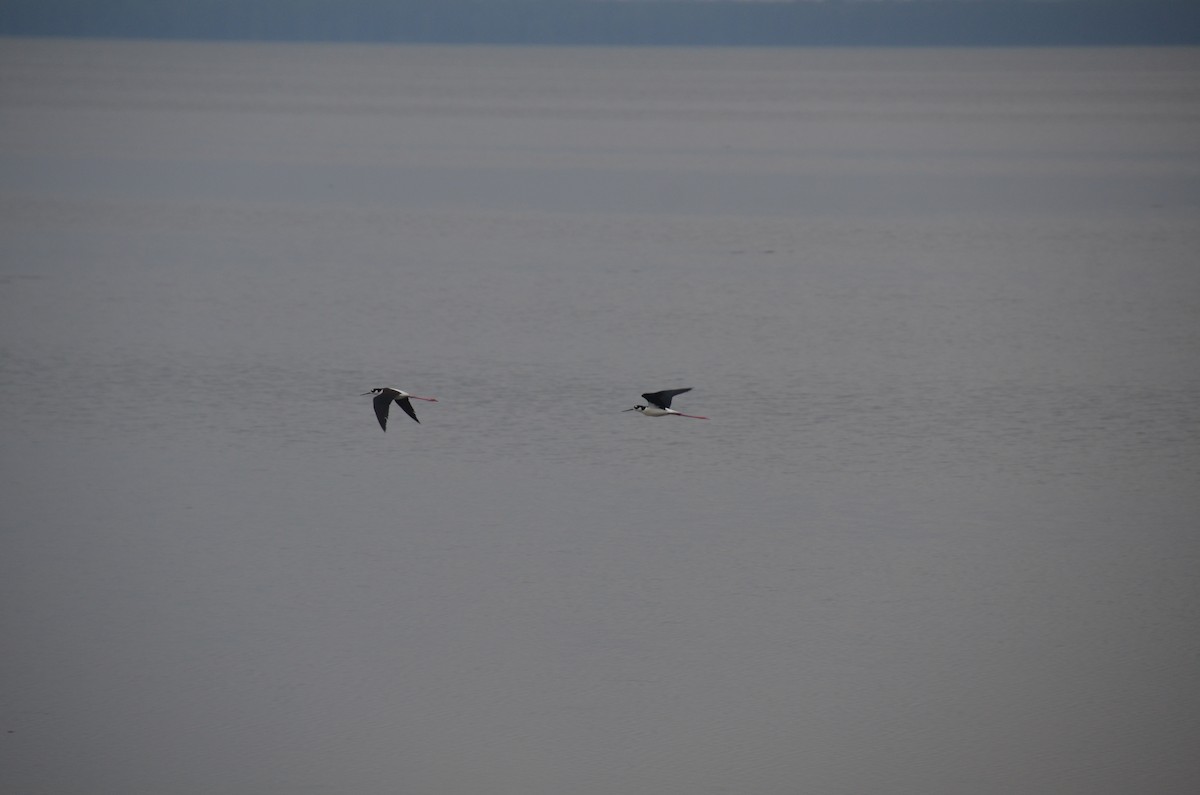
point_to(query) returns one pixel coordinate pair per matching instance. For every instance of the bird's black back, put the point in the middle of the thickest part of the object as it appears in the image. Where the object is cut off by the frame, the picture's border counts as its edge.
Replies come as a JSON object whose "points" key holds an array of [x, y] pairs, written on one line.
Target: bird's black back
{"points": [[663, 399]]}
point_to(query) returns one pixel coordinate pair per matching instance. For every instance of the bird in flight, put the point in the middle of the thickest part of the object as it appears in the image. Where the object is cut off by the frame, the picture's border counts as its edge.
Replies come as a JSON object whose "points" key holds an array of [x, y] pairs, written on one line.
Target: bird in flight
{"points": [[660, 404], [384, 396]]}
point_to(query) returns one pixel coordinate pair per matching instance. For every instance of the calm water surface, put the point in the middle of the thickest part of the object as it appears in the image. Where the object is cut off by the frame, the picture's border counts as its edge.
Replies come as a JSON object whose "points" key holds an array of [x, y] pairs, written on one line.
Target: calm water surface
{"points": [[939, 535]]}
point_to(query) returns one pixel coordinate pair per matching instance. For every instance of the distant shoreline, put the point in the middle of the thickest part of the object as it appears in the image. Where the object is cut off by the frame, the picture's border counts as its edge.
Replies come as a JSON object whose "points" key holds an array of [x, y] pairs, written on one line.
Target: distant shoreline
{"points": [[917, 23]]}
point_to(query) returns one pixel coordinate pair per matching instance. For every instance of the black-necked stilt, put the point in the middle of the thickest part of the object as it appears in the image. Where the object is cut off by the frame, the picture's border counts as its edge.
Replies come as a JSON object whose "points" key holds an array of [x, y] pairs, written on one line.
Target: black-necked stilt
{"points": [[384, 396], [660, 404]]}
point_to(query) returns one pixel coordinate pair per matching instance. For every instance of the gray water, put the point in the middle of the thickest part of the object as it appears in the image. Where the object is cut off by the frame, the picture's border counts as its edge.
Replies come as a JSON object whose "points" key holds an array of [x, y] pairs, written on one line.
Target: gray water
{"points": [[939, 536]]}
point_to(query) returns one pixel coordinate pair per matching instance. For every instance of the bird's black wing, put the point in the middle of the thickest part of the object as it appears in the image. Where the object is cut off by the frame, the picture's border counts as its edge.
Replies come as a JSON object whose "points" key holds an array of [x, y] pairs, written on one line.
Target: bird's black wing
{"points": [[381, 403], [406, 404], [663, 399]]}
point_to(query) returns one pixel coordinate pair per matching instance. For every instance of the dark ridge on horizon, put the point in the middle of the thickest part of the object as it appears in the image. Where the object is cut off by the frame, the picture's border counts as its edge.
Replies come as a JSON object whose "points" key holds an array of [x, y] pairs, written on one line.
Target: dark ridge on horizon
{"points": [[596, 22]]}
